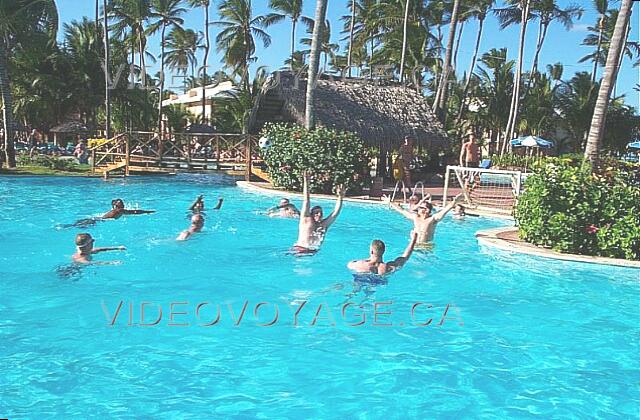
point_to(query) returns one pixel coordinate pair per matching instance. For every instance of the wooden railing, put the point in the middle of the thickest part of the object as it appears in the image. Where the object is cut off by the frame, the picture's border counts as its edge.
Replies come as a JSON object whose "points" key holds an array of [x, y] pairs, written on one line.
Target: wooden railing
{"points": [[179, 148]]}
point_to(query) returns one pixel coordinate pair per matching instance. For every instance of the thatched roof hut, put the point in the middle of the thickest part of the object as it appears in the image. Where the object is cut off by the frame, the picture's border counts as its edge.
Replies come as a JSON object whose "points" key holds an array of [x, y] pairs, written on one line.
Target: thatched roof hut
{"points": [[71, 127], [381, 113]]}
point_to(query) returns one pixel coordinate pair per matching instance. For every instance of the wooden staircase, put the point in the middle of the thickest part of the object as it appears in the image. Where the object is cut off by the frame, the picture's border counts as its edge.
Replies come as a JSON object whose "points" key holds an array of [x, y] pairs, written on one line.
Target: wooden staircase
{"points": [[258, 172]]}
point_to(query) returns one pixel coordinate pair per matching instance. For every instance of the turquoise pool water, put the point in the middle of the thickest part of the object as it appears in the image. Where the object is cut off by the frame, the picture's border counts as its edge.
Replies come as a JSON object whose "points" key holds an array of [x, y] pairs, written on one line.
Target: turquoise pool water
{"points": [[538, 337]]}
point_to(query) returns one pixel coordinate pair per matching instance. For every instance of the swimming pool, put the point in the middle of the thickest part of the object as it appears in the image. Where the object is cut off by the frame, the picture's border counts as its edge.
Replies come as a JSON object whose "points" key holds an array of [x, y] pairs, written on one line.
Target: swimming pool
{"points": [[539, 337]]}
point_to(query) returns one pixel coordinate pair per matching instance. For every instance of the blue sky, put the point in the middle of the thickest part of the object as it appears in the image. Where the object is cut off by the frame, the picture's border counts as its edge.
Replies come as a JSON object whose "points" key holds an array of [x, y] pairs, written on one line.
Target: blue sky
{"points": [[561, 45]]}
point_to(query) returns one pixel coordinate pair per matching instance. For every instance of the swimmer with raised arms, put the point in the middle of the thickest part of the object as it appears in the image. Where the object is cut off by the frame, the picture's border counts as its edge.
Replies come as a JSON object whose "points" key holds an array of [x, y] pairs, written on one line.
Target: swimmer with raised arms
{"points": [[424, 224], [313, 228]]}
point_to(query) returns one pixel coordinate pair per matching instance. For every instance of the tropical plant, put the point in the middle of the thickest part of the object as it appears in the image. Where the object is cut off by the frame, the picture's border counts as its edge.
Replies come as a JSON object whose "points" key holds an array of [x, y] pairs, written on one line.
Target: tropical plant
{"points": [[168, 13], [207, 46], [182, 45], [334, 158], [314, 60], [21, 22], [596, 131], [291, 9], [570, 209], [440, 101], [237, 38], [327, 47]]}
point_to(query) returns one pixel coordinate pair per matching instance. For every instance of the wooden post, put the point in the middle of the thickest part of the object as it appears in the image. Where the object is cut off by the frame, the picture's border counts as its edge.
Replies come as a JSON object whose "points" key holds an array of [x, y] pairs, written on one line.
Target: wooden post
{"points": [[217, 152], [128, 154], [247, 175], [93, 161]]}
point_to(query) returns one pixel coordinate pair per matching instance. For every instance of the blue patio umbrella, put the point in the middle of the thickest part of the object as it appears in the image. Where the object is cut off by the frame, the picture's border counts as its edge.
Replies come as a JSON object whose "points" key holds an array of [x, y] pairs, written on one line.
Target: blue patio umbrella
{"points": [[634, 145], [531, 141]]}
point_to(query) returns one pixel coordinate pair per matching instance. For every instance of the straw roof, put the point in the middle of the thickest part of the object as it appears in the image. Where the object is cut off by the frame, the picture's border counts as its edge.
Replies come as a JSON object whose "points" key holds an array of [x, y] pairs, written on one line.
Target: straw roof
{"points": [[71, 126], [381, 113]]}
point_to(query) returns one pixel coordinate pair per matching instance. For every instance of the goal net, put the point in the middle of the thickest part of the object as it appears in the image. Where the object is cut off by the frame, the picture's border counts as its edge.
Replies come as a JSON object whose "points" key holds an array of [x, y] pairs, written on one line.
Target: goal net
{"points": [[489, 190]]}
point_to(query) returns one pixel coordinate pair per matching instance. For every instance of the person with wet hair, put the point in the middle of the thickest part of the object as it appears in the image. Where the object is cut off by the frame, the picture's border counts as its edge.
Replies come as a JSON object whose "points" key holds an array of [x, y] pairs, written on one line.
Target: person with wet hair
{"points": [[312, 227], [118, 210], [85, 249], [424, 223], [284, 209], [375, 264]]}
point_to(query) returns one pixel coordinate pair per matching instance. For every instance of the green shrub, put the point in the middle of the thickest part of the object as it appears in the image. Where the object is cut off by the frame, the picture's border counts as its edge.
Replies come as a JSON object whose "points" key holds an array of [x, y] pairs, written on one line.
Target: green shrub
{"points": [[570, 209], [332, 157]]}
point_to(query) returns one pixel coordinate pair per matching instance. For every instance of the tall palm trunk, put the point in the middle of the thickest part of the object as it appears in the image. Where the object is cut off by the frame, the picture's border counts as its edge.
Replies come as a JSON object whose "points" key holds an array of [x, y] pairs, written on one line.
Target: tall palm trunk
{"points": [[351, 28], [314, 60], [455, 54], [97, 21], [515, 97], [404, 39], [596, 131], [7, 110], [598, 48], [293, 40], [440, 103], [467, 82], [542, 33], [207, 46], [624, 45], [164, 27], [107, 53]]}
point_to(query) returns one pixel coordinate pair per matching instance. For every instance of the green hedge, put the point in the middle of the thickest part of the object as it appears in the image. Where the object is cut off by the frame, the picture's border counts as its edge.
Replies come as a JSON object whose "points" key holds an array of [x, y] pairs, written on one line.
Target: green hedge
{"points": [[570, 209], [332, 157]]}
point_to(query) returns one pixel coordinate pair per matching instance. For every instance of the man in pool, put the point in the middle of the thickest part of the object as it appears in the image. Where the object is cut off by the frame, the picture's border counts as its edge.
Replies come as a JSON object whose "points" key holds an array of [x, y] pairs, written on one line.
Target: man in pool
{"points": [[85, 249], [313, 228], [424, 224], [284, 209], [375, 265], [198, 205], [118, 210], [197, 222]]}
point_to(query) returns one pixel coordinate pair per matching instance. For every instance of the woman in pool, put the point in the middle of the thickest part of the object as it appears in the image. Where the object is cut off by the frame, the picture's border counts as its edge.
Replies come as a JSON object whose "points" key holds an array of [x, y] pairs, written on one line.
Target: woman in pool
{"points": [[284, 209], [375, 265], [313, 228], [85, 249]]}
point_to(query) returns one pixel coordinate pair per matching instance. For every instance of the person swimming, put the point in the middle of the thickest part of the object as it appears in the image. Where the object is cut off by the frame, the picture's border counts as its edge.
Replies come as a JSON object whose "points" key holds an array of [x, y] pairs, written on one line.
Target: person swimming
{"points": [[85, 249], [375, 264], [118, 210], [312, 228], [198, 205], [424, 224], [197, 222], [459, 212], [284, 209]]}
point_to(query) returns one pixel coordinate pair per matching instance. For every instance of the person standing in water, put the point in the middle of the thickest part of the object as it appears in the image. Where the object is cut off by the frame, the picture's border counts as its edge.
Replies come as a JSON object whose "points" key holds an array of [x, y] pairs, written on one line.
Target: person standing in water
{"points": [[312, 228], [197, 222], [284, 209], [85, 249], [375, 265], [424, 224], [198, 205]]}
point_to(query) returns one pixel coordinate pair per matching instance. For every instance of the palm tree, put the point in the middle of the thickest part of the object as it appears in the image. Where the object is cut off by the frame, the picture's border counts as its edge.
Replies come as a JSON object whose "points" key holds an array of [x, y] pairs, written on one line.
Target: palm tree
{"points": [[440, 101], [327, 47], [601, 6], [405, 25], [365, 15], [547, 11], [21, 21], [236, 39], [479, 10], [207, 46], [131, 17], [596, 132], [524, 8], [168, 12], [182, 45], [314, 59], [287, 8], [107, 63]]}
